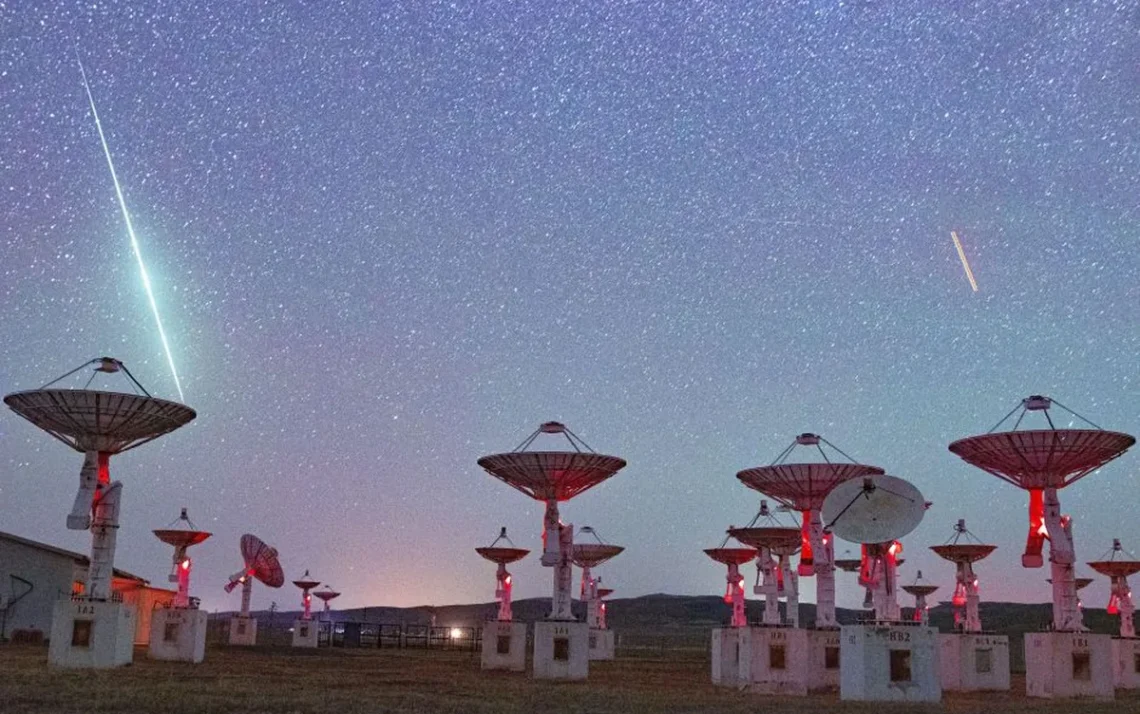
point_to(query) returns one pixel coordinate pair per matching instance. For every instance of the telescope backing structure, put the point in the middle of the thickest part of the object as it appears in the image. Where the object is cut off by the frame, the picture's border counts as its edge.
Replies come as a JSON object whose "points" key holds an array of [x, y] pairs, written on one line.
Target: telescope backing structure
{"points": [[886, 659], [1118, 566], [178, 632], [504, 641], [94, 628], [561, 643], [1066, 661], [971, 660]]}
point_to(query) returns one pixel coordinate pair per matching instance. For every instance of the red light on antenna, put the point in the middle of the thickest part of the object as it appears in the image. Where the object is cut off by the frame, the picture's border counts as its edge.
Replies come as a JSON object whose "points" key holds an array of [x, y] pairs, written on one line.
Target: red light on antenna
{"points": [[507, 580], [185, 564]]}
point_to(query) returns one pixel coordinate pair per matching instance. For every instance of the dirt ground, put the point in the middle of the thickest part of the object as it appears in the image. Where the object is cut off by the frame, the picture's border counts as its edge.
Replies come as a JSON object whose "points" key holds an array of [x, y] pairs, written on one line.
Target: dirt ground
{"points": [[284, 681]]}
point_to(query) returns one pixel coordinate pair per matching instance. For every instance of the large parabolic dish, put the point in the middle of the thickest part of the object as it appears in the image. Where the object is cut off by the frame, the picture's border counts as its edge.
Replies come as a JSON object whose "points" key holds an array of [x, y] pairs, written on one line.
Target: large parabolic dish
{"points": [[802, 485], [551, 477], [99, 424], [1043, 461], [88, 420]]}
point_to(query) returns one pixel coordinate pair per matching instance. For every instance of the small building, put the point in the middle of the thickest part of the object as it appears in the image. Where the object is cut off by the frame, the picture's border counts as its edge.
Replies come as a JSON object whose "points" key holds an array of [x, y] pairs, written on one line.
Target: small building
{"points": [[34, 575]]}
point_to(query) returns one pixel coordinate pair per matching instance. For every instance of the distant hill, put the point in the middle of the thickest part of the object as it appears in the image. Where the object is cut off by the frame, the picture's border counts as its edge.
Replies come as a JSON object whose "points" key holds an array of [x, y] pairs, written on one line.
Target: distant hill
{"points": [[688, 618]]}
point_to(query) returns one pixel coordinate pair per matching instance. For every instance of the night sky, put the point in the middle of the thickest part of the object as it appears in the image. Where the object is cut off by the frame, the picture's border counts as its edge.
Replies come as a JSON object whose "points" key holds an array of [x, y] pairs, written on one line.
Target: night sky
{"points": [[388, 241]]}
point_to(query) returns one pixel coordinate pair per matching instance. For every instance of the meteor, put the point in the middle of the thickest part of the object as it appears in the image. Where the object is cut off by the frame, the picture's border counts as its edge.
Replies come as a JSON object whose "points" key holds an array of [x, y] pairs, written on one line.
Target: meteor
{"points": [[965, 263], [130, 230]]}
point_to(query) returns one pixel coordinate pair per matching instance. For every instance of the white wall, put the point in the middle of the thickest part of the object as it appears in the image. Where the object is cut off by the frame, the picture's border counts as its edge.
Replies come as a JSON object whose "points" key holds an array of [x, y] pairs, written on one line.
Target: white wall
{"points": [[51, 575]]}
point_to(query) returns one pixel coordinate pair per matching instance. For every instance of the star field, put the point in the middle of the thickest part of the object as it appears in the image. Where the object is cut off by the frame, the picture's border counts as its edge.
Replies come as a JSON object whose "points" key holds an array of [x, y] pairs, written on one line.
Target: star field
{"points": [[388, 240]]}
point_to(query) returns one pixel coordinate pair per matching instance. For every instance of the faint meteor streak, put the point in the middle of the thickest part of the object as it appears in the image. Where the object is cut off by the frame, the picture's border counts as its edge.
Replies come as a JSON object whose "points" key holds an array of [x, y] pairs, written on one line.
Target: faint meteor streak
{"points": [[131, 230], [965, 263]]}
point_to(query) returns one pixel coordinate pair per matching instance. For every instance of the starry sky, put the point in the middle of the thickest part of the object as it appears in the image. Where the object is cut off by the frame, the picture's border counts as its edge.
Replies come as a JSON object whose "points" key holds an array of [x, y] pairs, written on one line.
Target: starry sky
{"points": [[388, 238]]}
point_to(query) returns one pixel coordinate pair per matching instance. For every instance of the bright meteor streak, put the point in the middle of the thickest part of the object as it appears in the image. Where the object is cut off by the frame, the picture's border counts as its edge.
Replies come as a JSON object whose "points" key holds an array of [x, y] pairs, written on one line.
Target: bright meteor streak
{"points": [[131, 231], [965, 263]]}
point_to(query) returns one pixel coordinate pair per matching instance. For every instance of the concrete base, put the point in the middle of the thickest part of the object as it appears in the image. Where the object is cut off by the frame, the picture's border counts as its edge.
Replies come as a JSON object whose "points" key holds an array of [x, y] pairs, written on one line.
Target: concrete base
{"points": [[306, 633], [178, 635], [1068, 664], [561, 650], [92, 634], [889, 662], [823, 660], [971, 662], [504, 646], [778, 661], [601, 644], [1126, 662], [731, 656], [243, 631]]}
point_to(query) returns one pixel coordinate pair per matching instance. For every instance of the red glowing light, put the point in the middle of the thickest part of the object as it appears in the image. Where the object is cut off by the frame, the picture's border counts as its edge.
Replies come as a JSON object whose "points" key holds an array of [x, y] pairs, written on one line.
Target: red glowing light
{"points": [[507, 580], [186, 564]]}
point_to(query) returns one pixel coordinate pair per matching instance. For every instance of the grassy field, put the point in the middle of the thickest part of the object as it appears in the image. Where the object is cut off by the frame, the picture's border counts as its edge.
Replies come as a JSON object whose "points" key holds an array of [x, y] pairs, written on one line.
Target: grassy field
{"points": [[284, 681]]}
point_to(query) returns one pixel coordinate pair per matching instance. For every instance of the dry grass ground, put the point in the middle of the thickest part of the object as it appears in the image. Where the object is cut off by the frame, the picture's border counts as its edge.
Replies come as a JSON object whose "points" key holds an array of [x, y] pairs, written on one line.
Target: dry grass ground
{"points": [[284, 681]]}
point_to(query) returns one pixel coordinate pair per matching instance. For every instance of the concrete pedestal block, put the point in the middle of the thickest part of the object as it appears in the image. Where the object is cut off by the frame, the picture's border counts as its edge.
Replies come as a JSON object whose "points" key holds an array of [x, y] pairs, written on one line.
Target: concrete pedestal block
{"points": [[1068, 664], [889, 662], [243, 631], [778, 663], [504, 646], [1126, 662], [731, 656], [178, 635], [306, 633], [92, 634], [823, 660], [561, 649], [601, 644], [974, 662]]}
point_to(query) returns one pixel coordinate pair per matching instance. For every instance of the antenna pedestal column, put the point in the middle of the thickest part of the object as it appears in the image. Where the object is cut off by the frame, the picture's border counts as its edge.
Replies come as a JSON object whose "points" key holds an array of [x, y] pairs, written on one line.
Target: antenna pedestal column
{"points": [[889, 662], [88, 633], [731, 655], [178, 634], [561, 649], [306, 633], [504, 646], [974, 662], [823, 660], [823, 566], [1068, 664], [1125, 657], [243, 631]]}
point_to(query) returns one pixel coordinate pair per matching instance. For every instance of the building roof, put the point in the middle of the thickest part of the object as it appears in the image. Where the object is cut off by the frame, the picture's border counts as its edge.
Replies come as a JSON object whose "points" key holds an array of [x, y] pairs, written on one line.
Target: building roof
{"points": [[79, 558]]}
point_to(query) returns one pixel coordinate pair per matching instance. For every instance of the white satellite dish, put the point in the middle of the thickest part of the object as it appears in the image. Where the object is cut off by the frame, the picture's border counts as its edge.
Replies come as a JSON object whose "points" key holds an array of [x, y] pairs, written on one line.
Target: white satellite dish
{"points": [[873, 509]]}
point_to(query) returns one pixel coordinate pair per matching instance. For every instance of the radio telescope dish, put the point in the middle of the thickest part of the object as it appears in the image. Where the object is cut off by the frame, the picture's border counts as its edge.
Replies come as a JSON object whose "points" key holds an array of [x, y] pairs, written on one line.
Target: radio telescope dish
{"points": [[1116, 565], [260, 563], [503, 556], [99, 424], [326, 595], [731, 556], [873, 509], [306, 582], [591, 555], [90, 420], [552, 475], [182, 538]]}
